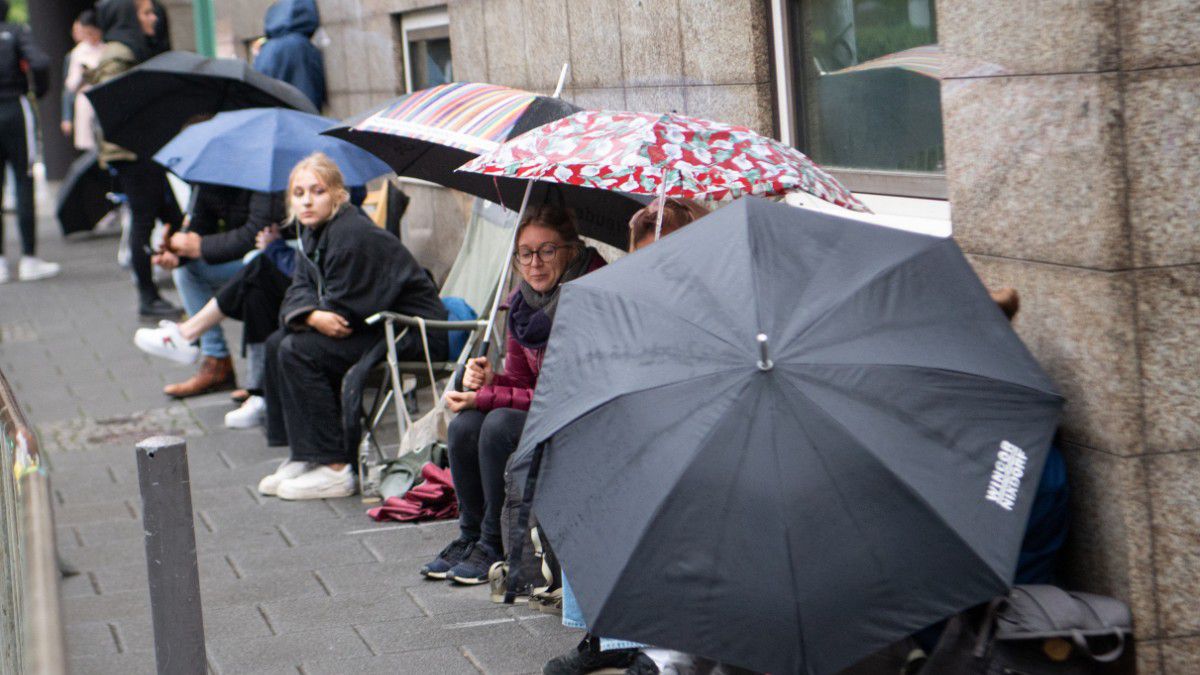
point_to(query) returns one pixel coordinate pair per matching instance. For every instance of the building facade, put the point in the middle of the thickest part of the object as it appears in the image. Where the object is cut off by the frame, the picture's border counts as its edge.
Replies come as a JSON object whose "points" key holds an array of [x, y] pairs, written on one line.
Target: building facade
{"points": [[1060, 134]]}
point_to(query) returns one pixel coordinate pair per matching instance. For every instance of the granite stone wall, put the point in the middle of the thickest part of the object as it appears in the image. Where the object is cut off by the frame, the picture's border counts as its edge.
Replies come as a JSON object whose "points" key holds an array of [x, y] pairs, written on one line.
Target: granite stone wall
{"points": [[1073, 162]]}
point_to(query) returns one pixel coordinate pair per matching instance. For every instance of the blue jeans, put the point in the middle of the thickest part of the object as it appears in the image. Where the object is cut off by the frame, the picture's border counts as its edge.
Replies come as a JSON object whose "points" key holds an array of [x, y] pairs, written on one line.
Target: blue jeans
{"points": [[572, 617], [198, 282]]}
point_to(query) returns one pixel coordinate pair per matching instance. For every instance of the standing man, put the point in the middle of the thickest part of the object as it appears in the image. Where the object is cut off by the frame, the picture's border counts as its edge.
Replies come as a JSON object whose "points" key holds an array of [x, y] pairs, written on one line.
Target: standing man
{"points": [[21, 61]]}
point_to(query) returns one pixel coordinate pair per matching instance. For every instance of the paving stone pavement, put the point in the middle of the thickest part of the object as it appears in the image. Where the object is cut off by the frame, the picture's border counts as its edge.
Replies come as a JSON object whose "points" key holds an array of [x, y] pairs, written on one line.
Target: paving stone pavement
{"points": [[309, 587]]}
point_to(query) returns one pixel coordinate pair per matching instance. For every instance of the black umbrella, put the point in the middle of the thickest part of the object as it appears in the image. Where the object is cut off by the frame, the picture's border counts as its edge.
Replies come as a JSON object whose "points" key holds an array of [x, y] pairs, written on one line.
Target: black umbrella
{"points": [[602, 215], [144, 108], [787, 503], [83, 195]]}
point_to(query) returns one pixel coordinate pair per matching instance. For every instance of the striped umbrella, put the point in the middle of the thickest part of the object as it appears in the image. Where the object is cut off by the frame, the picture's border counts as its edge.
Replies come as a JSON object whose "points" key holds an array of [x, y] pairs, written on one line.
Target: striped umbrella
{"points": [[430, 133]]}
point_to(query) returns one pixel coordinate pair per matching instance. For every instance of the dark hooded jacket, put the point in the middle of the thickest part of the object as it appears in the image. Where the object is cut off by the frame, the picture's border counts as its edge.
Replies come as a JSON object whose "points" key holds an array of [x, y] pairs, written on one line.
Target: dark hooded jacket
{"points": [[118, 20], [355, 269], [289, 53], [17, 46]]}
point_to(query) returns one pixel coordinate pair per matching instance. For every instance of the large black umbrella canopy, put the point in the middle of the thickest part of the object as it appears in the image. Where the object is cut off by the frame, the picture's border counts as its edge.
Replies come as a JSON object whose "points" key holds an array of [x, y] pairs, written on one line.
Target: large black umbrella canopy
{"points": [[791, 517], [602, 215], [144, 108], [83, 196]]}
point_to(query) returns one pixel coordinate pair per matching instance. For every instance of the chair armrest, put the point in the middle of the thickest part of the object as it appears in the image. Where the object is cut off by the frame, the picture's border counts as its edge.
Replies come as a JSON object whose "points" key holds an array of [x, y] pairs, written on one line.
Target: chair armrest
{"points": [[433, 324]]}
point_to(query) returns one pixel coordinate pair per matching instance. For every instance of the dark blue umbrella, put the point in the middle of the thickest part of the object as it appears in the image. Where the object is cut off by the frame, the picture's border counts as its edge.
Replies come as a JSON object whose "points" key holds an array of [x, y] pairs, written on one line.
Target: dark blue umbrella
{"points": [[256, 149]]}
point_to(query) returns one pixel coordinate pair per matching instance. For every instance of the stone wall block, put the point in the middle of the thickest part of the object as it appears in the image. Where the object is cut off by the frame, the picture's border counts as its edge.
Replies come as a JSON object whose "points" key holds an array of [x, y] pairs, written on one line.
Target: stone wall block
{"points": [[358, 69], [334, 54], [547, 44], [1030, 170], [1176, 505], [1149, 658], [1079, 325], [1163, 150], [655, 99], [1019, 37], [725, 42], [433, 226], [1181, 655], [382, 66], [504, 23], [600, 99], [1110, 545], [1159, 33], [468, 41], [748, 105], [595, 43], [651, 43], [1169, 340]]}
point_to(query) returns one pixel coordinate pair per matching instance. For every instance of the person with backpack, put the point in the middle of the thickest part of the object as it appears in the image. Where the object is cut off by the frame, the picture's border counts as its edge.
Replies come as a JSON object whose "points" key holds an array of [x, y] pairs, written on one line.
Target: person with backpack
{"points": [[492, 409], [24, 69]]}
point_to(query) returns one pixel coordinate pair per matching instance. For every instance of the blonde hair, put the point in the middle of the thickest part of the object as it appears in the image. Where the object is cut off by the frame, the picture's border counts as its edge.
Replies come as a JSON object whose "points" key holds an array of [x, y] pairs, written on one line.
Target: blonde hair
{"points": [[327, 171]]}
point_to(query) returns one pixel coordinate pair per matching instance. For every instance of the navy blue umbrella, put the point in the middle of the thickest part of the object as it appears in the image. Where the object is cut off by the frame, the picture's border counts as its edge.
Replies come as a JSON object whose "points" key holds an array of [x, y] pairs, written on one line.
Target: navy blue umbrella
{"points": [[256, 149]]}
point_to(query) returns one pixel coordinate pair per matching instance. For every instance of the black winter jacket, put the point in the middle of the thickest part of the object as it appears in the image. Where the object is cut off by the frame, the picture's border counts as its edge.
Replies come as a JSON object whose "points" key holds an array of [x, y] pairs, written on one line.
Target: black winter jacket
{"points": [[351, 267], [256, 210], [16, 45]]}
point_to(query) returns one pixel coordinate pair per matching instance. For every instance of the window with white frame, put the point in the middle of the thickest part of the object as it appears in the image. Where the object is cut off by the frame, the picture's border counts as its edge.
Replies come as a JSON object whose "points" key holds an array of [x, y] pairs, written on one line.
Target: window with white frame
{"points": [[859, 91], [424, 48]]}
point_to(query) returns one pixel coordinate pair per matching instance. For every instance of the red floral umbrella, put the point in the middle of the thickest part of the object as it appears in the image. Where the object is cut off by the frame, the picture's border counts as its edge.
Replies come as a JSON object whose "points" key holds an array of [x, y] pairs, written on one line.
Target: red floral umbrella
{"points": [[667, 155]]}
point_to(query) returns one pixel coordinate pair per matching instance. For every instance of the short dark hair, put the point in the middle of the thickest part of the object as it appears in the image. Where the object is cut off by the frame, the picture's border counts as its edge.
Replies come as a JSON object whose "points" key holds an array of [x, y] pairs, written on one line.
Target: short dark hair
{"points": [[86, 18], [553, 217]]}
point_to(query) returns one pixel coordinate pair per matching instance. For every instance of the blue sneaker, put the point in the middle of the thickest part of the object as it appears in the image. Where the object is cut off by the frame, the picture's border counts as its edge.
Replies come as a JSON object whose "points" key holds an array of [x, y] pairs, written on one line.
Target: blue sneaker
{"points": [[473, 569], [448, 558]]}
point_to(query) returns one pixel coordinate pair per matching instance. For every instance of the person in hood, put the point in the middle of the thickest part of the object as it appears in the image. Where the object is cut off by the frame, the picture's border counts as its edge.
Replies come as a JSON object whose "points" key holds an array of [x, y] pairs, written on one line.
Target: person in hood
{"points": [[132, 34], [347, 270], [289, 53], [23, 66]]}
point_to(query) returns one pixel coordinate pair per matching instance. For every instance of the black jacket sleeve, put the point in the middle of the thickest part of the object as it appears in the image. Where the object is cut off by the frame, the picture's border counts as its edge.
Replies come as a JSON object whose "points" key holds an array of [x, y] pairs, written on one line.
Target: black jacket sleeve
{"points": [[263, 209], [39, 63]]}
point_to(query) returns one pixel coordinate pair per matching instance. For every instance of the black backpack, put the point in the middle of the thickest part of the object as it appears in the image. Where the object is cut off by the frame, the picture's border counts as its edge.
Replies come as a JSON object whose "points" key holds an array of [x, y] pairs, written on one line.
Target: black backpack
{"points": [[1037, 630]]}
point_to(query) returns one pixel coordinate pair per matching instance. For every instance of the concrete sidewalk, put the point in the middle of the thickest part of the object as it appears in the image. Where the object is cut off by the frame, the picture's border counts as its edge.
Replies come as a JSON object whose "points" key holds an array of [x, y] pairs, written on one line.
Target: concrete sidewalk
{"points": [[309, 587]]}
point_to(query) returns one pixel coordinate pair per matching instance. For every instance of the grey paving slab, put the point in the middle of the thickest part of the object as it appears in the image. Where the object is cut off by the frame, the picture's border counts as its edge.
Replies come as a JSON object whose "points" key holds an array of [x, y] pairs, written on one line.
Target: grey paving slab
{"points": [[517, 656], [118, 664], [283, 651], [443, 660], [294, 615], [252, 563], [476, 627]]}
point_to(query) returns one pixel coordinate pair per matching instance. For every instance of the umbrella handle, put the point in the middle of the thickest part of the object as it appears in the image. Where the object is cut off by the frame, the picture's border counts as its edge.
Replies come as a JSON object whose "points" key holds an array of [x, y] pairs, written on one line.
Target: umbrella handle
{"points": [[514, 573], [457, 379]]}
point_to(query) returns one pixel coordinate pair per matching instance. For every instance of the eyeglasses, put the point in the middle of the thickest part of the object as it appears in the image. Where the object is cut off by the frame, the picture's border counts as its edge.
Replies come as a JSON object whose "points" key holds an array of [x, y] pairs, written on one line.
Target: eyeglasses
{"points": [[545, 253]]}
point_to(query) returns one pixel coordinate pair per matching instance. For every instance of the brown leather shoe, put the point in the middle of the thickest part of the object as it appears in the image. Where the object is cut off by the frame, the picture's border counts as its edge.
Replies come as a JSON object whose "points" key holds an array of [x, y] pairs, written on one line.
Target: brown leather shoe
{"points": [[214, 375]]}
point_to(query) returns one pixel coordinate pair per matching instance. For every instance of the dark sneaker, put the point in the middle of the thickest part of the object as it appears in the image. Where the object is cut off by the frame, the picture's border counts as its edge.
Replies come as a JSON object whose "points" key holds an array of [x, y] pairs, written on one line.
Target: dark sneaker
{"points": [[473, 569], [587, 659], [157, 307], [643, 665], [449, 557]]}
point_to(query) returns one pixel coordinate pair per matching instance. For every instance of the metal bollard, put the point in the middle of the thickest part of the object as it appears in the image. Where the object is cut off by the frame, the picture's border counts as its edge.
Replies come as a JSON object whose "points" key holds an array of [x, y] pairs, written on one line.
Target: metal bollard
{"points": [[171, 555]]}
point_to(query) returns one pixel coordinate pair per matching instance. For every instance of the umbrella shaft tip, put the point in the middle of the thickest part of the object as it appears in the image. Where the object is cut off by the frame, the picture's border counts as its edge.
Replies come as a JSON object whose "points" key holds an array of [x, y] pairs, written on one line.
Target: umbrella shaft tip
{"points": [[764, 356]]}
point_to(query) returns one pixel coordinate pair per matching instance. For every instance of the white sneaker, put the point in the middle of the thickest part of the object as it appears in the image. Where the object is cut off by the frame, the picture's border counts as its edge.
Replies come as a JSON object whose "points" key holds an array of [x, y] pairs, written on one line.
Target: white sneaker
{"points": [[3, 271], [32, 269], [321, 482], [166, 341], [251, 414], [287, 469]]}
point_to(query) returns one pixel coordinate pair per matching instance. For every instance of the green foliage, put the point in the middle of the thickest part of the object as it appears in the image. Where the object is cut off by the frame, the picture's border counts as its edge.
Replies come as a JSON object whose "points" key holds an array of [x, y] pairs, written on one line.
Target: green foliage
{"points": [[18, 12]]}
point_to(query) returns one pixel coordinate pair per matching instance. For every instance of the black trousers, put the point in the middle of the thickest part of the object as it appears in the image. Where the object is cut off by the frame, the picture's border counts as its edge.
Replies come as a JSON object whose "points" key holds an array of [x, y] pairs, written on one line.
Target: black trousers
{"points": [[253, 296], [480, 444], [314, 387], [150, 198], [14, 151]]}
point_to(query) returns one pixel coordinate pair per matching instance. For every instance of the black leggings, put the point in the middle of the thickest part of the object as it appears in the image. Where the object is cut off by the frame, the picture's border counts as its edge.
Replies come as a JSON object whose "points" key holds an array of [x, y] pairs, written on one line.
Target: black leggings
{"points": [[253, 296], [150, 198], [480, 444], [15, 153]]}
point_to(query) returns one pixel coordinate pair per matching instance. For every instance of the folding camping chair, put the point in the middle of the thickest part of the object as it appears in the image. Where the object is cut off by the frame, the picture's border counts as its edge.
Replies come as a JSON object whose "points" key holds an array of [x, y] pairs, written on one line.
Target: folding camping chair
{"points": [[473, 277]]}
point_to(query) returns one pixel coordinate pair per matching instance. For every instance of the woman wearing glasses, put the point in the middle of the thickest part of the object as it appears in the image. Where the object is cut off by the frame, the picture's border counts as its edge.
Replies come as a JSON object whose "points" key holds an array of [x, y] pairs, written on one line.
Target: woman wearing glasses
{"points": [[492, 410]]}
